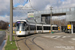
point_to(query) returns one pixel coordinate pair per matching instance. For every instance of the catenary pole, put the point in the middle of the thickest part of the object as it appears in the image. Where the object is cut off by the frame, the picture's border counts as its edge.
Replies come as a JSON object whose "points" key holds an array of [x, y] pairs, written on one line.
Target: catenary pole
{"points": [[71, 23], [11, 19], [50, 18]]}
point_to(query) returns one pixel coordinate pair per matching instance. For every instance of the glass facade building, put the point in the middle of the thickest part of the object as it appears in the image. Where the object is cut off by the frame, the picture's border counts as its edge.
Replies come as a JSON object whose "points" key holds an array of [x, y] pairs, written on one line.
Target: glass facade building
{"points": [[44, 16]]}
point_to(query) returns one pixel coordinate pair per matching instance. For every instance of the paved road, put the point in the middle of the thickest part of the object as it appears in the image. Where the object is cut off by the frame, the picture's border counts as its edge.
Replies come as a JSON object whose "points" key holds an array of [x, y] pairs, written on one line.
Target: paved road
{"points": [[47, 42], [56, 42], [2, 36]]}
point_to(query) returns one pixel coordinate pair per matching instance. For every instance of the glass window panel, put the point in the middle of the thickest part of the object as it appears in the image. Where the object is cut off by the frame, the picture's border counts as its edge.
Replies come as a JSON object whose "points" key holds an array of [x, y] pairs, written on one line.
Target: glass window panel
{"points": [[55, 28], [39, 27], [47, 11], [46, 28], [35, 12], [64, 10], [41, 11], [53, 11], [32, 27], [57, 10], [72, 9], [60, 10], [67, 9]]}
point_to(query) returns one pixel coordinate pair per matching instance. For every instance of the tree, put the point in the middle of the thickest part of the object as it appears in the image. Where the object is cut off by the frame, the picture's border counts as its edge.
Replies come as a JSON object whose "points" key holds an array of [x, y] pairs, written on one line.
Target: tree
{"points": [[3, 25]]}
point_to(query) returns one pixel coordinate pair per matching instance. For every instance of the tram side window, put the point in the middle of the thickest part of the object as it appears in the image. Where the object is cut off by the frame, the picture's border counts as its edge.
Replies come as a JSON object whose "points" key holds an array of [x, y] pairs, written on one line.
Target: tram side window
{"points": [[32, 27], [46, 28], [39, 27], [27, 29], [55, 28]]}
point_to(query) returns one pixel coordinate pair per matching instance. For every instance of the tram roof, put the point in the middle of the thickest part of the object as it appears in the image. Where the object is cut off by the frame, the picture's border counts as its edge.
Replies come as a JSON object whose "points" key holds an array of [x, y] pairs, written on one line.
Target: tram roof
{"points": [[41, 24], [21, 20]]}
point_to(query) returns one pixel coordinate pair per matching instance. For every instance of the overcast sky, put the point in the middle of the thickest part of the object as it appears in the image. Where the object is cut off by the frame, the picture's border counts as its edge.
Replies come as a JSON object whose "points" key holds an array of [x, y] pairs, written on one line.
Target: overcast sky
{"points": [[36, 4]]}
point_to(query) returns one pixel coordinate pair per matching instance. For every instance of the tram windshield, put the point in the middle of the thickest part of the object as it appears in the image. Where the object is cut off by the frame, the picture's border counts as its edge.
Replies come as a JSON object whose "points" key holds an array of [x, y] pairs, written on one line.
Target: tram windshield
{"points": [[20, 26]]}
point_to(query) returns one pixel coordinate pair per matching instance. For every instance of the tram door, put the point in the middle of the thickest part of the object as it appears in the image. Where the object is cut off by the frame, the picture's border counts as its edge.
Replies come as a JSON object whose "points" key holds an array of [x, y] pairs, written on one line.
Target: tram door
{"points": [[26, 29]]}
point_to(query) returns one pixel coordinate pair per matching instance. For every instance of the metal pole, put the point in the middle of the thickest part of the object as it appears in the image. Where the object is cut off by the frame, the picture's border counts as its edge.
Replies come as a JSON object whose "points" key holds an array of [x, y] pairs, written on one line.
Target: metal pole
{"points": [[11, 19], [71, 24], [50, 18], [36, 25], [60, 24], [42, 27], [71, 28]]}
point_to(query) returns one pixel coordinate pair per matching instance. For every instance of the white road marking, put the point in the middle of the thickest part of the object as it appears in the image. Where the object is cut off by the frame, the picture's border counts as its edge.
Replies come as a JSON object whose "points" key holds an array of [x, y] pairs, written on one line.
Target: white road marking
{"points": [[52, 36], [64, 37], [72, 38], [65, 47], [57, 37]]}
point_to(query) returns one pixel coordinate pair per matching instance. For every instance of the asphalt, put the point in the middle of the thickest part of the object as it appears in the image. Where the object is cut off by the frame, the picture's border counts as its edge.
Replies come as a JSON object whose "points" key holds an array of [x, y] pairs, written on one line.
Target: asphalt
{"points": [[2, 36], [57, 41]]}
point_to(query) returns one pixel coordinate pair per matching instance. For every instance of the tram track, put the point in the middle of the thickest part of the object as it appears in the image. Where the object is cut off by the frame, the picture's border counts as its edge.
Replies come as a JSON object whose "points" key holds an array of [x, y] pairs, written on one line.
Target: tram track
{"points": [[36, 44], [26, 44], [32, 41]]}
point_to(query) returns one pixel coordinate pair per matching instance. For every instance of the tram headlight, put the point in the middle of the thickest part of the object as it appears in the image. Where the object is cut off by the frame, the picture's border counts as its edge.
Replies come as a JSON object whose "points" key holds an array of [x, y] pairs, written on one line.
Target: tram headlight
{"points": [[19, 31]]}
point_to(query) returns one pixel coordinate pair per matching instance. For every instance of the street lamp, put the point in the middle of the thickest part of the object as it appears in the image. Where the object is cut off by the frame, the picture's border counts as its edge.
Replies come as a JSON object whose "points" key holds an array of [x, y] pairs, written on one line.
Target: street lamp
{"points": [[50, 18]]}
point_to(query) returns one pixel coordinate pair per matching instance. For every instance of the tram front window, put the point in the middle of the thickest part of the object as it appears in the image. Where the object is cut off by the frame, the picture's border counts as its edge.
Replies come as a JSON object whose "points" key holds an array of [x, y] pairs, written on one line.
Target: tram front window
{"points": [[20, 26]]}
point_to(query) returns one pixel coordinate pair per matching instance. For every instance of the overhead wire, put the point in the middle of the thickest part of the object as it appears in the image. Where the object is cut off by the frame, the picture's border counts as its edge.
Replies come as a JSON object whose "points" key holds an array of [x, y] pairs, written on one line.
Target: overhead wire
{"points": [[22, 10], [19, 11], [27, 7], [32, 6]]}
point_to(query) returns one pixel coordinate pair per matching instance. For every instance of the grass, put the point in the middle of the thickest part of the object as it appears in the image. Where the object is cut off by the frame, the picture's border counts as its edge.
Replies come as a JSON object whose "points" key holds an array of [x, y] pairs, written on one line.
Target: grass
{"points": [[10, 46]]}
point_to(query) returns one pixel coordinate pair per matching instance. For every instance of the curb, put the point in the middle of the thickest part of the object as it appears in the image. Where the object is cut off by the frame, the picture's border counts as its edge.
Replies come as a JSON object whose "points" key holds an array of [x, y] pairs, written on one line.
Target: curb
{"points": [[6, 41], [16, 43]]}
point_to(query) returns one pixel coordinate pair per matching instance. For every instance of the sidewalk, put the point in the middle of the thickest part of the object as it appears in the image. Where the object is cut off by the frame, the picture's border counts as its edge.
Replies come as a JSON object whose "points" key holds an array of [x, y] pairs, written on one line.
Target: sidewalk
{"points": [[7, 34], [20, 43], [6, 41]]}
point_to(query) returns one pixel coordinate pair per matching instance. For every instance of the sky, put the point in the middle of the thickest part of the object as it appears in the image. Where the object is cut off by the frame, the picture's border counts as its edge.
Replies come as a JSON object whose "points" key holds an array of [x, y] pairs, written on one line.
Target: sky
{"points": [[36, 4]]}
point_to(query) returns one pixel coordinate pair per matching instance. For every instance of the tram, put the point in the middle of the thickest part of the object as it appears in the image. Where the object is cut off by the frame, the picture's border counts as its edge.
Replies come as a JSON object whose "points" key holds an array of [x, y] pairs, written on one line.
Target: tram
{"points": [[25, 28]]}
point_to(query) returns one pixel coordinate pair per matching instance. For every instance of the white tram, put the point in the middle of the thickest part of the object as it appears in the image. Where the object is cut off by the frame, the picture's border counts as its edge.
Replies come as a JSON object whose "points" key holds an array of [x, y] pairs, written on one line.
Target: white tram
{"points": [[25, 28]]}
